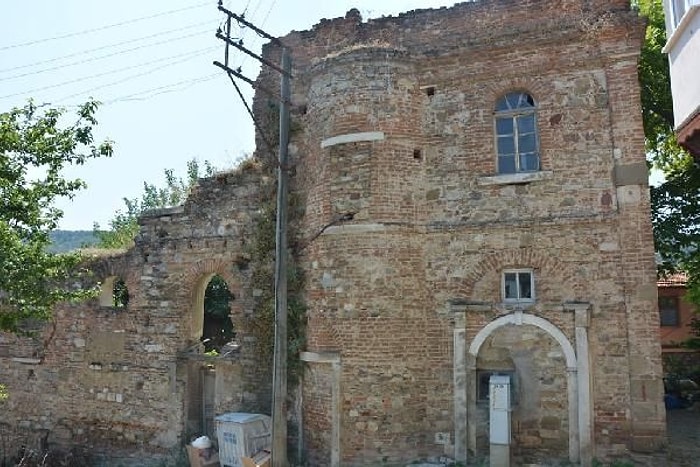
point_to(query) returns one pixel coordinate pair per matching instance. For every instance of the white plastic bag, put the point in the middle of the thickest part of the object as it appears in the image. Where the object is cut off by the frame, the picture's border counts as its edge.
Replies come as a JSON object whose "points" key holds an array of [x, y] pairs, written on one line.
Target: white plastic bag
{"points": [[203, 442]]}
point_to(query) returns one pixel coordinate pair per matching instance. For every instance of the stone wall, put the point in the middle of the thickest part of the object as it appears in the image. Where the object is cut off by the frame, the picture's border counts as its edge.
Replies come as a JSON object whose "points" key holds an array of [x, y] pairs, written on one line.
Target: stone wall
{"points": [[130, 379]]}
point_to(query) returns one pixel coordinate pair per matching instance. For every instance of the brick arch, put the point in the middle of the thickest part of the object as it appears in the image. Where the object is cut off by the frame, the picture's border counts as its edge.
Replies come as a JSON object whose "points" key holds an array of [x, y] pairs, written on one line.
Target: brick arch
{"points": [[499, 88], [496, 262], [322, 336], [187, 282]]}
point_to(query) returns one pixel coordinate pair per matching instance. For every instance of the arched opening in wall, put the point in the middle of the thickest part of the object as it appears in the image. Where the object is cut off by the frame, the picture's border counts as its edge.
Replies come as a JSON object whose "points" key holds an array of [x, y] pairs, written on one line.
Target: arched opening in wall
{"points": [[217, 328], [536, 365], [211, 330], [114, 293], [210, 320]]}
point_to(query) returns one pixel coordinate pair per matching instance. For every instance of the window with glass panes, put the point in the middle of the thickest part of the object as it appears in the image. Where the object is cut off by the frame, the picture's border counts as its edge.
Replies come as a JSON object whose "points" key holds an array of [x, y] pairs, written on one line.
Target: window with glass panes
{"points": [[516, 134], [668, 311], [518, 285]]}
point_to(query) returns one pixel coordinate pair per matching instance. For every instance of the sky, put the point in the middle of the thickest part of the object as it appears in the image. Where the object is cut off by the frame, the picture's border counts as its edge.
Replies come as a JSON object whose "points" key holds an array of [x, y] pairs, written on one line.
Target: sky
{"points": [[150, 64]]}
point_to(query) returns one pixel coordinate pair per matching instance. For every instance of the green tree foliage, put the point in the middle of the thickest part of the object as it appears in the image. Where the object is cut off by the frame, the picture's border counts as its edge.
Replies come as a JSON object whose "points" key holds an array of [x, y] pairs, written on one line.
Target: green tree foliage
{"points": [[35, 146], [218, 327], [123, 227], [675, 207]]}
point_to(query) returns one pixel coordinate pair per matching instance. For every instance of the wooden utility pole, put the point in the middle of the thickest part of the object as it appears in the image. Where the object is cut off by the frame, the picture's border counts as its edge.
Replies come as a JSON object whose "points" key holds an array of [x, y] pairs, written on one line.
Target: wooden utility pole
{"points": [[279, 376], [279, 382]]}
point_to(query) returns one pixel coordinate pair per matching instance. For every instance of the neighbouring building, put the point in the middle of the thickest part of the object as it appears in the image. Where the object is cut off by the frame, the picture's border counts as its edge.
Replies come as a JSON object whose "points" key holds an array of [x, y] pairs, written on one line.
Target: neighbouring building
{"points": [[683, 49], [468, 198], [676, 315]]}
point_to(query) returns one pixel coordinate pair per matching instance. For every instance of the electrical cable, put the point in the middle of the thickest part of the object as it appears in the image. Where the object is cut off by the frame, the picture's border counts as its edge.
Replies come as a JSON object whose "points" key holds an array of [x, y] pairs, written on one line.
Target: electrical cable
{"points": [[101, 57], [102, 28], [138, 75], [252, 115], [84, 78], [132, 97], [267, 15], [108, 46]]}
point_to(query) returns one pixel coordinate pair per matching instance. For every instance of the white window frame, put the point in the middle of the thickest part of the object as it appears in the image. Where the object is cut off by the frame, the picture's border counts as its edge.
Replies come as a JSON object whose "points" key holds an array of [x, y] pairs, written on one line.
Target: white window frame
{"points": [[517, 272], [677, 15], [515, 114]]}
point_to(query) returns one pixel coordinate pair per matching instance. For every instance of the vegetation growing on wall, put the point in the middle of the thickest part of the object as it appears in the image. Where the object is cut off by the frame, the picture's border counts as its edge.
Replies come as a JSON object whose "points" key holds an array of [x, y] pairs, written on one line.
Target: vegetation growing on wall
{"points": [[262, 325]]}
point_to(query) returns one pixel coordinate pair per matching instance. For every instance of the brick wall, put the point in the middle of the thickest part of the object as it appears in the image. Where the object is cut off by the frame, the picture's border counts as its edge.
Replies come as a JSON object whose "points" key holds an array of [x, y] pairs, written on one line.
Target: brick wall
{"points": [[394, 123]]}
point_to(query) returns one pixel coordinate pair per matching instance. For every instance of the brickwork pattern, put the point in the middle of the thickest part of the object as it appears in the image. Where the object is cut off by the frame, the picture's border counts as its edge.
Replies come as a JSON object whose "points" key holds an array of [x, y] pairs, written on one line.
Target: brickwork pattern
{"points": [[432, 224]]}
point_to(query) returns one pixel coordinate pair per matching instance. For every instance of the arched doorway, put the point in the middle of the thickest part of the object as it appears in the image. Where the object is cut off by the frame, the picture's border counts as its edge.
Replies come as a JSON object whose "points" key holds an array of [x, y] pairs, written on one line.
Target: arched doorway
{"points": [[577, 399], [210, 318], [536, 365], [211, 329]]}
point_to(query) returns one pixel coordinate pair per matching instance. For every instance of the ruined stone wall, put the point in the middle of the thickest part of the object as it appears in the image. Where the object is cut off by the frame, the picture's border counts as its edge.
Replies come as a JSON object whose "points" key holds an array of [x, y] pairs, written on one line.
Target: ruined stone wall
{"points": [[392, 122], [128, 379]]}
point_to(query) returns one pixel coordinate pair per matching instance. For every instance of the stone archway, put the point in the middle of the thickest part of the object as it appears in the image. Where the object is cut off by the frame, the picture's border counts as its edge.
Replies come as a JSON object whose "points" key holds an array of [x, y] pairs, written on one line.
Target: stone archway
{"points": [[519, 319], [577, 375]]}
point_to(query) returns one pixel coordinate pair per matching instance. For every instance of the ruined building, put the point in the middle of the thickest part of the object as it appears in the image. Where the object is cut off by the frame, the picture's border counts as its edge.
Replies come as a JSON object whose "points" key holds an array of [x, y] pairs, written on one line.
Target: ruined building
{"points": [[469, 198]]}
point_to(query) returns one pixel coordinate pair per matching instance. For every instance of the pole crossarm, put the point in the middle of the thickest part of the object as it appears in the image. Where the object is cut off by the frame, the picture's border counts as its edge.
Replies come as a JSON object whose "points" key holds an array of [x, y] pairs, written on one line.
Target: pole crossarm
{"points": [[252, 54], [250, 81], [250, 25]]}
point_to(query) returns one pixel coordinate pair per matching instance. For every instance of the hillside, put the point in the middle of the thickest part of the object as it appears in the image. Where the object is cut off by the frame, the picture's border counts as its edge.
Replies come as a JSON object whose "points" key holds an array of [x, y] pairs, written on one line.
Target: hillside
{"points": [[68, 240]]}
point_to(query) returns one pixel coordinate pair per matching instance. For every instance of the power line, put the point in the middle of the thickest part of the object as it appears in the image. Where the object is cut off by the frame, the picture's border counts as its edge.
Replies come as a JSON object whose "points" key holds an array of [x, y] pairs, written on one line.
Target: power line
{"points": [[267, 15], [243, 29], [108, 46], [101, 57], [138, 75], [133, 97], [102, 28], [84, 78]]}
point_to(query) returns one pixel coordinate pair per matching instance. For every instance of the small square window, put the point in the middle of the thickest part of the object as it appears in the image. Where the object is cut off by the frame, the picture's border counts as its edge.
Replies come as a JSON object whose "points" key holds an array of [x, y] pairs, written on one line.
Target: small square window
{"points": [[668, 311], [483, 377], [518, 285]]}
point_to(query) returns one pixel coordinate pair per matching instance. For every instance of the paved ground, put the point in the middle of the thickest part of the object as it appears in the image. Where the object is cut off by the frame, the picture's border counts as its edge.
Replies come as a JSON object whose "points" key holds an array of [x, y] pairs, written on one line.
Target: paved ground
{"points": [[683, 441], [683, 447], [684, 437]]}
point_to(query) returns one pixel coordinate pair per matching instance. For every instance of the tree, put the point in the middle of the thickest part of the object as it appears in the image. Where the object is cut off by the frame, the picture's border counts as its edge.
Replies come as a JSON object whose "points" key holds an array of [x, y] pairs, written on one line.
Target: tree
{"points": [[35, 147], [675, 206], [123, 227], [218, 327]]}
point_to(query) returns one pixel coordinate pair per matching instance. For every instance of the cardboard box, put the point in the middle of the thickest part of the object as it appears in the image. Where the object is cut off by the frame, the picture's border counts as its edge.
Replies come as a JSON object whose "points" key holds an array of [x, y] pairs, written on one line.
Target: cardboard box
{"points": [[261, 459], [202, 457]]}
